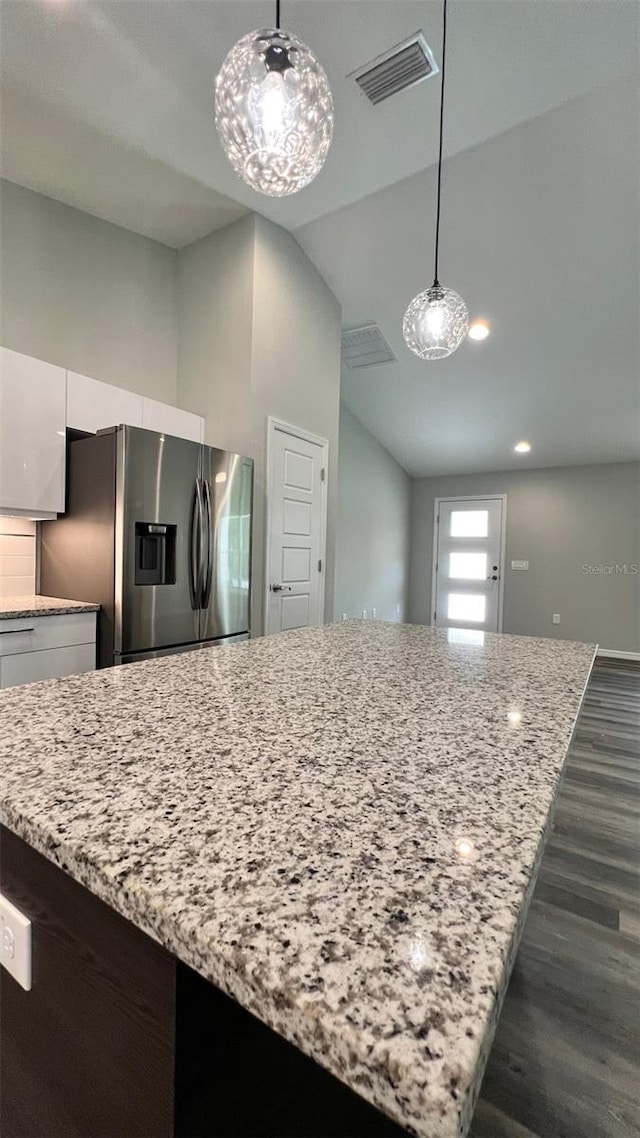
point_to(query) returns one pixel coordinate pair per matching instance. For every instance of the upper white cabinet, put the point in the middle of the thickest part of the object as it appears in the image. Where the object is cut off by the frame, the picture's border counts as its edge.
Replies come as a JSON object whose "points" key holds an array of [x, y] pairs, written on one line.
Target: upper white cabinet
{"points": [[92, 405], [172, 420], [32, 436]]}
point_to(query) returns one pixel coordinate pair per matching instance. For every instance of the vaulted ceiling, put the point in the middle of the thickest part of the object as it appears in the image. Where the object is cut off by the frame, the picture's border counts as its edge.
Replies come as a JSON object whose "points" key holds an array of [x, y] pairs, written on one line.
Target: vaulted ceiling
{"points": [[108, 107]]}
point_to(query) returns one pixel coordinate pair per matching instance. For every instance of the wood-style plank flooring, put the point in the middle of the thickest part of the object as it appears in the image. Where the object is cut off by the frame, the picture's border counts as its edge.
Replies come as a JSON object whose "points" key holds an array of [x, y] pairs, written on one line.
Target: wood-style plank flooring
{"points": [[566, 1057]]}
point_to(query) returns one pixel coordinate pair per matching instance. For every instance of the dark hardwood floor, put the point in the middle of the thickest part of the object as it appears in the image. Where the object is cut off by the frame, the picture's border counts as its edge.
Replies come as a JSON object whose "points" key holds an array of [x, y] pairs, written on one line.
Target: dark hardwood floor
{"points": [[566, 1057]]}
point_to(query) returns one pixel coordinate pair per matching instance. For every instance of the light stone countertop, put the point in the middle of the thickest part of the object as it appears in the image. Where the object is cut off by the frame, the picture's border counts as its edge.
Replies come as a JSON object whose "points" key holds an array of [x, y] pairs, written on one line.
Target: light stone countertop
{"points": [[340, 827], [35, 605]]}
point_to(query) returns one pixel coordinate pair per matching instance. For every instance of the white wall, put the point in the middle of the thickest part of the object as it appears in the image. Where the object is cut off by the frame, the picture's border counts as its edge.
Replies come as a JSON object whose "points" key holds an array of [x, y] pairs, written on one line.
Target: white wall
{"points": [[260, 336], [215, 319], [558, 519], [374, 498], [87, 295]]}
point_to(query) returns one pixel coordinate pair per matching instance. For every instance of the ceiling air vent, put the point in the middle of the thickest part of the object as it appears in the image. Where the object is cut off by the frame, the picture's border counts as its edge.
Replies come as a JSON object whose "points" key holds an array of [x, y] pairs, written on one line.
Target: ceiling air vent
{"points": [[402, 66], [366, 347]]}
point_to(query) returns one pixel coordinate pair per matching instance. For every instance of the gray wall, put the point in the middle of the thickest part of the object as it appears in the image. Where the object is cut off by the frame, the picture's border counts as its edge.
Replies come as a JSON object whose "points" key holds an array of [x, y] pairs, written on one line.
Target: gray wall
{"points": [[374, 499], [260, 336], [87, 295], [558, 519]]}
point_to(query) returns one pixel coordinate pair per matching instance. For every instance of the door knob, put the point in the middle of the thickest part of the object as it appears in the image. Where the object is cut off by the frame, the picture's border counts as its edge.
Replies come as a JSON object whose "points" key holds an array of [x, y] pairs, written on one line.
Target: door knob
{"points": [[281, 588]]}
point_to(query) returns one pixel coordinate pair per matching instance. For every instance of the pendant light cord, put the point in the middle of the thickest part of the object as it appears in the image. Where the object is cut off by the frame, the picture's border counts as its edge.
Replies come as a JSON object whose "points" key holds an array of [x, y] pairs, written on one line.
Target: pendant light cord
{"points": [[444, 59], [277, 15]]}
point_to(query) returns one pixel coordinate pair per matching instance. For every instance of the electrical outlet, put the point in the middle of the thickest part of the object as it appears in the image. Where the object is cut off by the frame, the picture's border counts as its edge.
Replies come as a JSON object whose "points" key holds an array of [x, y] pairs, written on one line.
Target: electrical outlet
{"points": [[344, 616], [364, 614], [373, 614], [15, 943], [556, 618]]}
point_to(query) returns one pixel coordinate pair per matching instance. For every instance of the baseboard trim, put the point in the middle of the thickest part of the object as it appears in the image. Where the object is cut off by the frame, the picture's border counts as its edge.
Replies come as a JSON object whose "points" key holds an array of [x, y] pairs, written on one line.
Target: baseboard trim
{"points": [[616, 655]]}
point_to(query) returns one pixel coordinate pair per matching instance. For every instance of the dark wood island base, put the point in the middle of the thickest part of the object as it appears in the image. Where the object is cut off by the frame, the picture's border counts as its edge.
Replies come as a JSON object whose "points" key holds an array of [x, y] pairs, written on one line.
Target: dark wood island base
{"points": [[118, 1039]]}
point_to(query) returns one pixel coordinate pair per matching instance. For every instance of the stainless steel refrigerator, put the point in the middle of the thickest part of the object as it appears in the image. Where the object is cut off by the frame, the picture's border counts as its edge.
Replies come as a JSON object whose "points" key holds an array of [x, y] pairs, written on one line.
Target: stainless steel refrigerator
{"points": [[158, 532]]}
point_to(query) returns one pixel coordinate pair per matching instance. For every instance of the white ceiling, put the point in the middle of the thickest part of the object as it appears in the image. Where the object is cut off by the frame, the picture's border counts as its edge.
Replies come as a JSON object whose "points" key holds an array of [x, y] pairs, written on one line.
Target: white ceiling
{"points": [[108, 107], [141, 72], [540, 236]]}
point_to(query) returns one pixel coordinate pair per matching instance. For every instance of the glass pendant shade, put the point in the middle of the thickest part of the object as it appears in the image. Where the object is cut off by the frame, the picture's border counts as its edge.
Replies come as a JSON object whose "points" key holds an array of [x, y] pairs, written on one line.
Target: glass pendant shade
{"points": [[274, 112], [435, 323]]}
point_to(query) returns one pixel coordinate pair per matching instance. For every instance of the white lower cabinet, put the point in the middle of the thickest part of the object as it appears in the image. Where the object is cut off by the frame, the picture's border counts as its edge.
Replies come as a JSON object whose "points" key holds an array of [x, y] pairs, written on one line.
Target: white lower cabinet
{"points": [[46, 647]]}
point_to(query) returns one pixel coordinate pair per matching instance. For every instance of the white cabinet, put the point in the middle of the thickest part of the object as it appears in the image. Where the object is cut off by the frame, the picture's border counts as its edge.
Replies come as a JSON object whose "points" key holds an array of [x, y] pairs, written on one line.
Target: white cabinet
{"points": [[32, 436], [158, 416], [46, 647], [92, 405]]}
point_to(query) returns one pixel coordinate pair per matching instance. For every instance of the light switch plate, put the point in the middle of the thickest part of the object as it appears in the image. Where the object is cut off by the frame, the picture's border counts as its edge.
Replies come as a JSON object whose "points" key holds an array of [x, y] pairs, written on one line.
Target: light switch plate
{"points": [[15, 943], [519, 564]]}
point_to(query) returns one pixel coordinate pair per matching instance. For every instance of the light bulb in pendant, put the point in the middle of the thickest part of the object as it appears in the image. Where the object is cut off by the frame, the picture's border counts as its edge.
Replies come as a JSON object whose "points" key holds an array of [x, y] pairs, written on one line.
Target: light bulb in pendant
{"points": [[274, 112], [270, 109]]}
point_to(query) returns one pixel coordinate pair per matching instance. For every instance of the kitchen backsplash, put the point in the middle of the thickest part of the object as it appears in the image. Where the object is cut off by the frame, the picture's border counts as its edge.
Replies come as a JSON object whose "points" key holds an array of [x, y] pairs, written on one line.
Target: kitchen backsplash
{"points": [[17, 557]]}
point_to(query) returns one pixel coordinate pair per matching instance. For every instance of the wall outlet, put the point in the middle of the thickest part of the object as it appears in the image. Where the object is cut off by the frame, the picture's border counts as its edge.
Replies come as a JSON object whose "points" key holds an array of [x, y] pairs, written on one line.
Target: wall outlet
{"points": [[520, 565], [556, 618], [344, 616], [373, 614], [15, 943], [364, 614]]}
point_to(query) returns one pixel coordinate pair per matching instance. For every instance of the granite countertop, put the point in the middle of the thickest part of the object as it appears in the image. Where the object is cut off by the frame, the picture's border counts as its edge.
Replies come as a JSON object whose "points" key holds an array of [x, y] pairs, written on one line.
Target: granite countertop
{"points": [[29, 606], [338, 826]]}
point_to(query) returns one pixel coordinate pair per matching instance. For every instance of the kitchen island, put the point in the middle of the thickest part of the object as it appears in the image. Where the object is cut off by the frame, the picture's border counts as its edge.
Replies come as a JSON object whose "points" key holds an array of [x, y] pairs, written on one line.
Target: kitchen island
{"points": [[338, 827]]}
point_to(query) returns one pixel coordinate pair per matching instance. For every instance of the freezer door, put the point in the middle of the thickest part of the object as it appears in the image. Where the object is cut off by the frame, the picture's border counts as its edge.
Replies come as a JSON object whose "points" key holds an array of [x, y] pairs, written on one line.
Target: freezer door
{"points": [[159, 547], [140, 657], [228, 488]]}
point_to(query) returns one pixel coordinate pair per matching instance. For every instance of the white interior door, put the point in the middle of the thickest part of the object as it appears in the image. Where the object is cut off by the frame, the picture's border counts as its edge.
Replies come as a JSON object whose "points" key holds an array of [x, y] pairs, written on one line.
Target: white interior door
{"points": [[296, 530], [468, 563]]}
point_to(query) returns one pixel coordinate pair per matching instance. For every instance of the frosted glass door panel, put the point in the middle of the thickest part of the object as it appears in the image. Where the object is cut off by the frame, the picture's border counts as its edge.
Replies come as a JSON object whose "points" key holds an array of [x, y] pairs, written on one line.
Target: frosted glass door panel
{"points": [[468, 566], [467, 606], [469, 523]]}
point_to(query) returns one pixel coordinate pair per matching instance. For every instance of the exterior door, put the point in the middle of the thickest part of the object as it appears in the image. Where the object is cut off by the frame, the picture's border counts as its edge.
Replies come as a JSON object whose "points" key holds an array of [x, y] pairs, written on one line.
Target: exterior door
{"points": [[228, 482], [468, 568], [297, 525]]}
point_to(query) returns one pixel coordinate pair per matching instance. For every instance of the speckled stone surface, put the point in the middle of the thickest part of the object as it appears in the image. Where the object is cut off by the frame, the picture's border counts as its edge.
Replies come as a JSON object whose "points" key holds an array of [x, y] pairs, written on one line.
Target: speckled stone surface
{"points": [[340, 827], [35, 605]]}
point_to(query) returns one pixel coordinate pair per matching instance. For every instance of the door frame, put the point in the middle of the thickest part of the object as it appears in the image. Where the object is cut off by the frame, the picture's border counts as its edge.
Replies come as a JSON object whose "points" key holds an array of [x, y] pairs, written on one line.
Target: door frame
{"points": [[503, 547], [273, 425]]}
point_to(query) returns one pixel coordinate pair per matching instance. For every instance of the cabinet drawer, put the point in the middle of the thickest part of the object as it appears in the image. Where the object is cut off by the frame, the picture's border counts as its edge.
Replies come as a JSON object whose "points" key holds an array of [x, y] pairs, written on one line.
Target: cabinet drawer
{"points": [[50, 664], [34, 634]]}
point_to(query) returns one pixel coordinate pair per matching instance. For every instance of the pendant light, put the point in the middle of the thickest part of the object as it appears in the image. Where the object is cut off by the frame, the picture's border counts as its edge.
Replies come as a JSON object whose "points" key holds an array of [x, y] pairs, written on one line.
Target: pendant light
{"points": [[274, 111], [437, 319]]}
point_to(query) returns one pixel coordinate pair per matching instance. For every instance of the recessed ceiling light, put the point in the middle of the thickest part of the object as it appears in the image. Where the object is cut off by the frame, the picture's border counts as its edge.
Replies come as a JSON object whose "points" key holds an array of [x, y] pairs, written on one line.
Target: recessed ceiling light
{"points": [[479, 330], [522, 447]]}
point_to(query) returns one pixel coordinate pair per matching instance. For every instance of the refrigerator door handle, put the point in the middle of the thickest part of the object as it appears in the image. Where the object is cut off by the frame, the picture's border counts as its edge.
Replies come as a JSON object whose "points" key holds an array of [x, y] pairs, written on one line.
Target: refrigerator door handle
{"points": [[197, 524], [208, 579]]}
